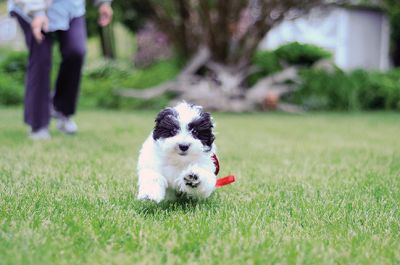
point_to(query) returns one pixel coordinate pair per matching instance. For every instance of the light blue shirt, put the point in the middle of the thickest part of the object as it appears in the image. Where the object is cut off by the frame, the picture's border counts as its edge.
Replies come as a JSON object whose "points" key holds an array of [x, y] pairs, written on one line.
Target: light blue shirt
{"points": [[59, 12]]}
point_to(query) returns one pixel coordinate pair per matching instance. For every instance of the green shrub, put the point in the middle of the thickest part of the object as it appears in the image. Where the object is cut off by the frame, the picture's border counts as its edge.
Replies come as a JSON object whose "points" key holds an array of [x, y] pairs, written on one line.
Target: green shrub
{"points": [[11, 91], [267, 61], [12, 72], [357, 90], [295, 53], [14, 64], [99, 85], [109, 70]]}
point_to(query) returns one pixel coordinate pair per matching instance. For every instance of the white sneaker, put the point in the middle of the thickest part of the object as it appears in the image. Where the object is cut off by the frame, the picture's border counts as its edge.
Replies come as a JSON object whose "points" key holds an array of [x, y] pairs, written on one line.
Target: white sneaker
{"points": [[64, 124], [41, 134]]}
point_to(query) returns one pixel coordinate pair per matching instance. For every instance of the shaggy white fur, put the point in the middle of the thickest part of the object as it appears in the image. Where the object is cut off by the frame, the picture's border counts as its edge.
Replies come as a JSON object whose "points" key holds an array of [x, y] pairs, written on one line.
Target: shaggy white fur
{"points": [[165, 168]]}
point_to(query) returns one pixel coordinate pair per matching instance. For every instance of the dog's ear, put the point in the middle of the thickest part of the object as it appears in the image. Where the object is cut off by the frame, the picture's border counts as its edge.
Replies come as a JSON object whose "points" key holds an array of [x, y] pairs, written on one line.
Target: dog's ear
{"points": [[166, 124], [205, 121], [162, 114], [202, 129]]}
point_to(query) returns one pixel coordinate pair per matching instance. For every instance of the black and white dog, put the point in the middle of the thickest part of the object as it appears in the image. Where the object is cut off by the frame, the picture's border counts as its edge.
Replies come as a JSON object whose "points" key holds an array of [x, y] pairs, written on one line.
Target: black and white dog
{"points": [[178, 157]]}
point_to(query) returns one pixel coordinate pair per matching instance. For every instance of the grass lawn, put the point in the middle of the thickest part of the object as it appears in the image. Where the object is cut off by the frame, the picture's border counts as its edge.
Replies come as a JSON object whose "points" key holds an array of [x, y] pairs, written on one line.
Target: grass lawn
{"points": [[311, 189]]}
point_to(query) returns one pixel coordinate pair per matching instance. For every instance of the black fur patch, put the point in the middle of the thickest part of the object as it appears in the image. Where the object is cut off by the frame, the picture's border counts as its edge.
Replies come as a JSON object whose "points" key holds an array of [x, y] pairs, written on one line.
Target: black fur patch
{"points": [[201, 128], [167, 124]]}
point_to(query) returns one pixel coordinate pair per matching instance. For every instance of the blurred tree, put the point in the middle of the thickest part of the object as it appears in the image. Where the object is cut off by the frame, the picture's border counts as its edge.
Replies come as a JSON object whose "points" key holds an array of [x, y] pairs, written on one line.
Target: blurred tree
{"points": [[231, 32], [217, 40]]}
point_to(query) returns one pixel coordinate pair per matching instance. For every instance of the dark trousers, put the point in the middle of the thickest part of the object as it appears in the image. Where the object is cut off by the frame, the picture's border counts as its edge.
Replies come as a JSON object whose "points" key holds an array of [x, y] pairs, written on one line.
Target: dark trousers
{"points": [[37, 82]]}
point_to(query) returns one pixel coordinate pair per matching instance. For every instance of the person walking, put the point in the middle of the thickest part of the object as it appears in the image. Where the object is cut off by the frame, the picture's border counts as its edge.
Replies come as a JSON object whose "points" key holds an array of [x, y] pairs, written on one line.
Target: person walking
{"points": [[43, 22]]}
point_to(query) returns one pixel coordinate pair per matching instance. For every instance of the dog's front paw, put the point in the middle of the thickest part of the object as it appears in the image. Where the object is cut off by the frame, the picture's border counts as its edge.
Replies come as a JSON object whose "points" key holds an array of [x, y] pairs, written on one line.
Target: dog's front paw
{"points": [[150, 197], [155, 194], [192, 180], [152, 186], [197, 182]]}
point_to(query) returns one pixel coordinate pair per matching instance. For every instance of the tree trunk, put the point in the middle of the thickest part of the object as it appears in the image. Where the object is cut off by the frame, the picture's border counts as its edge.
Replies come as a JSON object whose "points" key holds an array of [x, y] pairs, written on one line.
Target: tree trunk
{"points": [[221, 88]]}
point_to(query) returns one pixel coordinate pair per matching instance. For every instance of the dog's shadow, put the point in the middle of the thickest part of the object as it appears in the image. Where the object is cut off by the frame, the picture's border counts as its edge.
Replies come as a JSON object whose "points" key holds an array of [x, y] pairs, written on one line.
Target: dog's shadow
{"points": [[185, 205]]}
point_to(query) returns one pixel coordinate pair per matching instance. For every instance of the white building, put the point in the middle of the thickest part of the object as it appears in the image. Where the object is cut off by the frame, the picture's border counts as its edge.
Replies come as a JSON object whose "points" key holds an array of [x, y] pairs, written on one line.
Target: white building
{"points": [[357, 37]]}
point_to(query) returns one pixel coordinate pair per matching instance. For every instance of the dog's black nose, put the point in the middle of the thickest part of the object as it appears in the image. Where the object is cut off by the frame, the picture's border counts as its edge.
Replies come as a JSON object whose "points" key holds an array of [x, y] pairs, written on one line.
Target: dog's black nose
{"points": [[184, 147]]}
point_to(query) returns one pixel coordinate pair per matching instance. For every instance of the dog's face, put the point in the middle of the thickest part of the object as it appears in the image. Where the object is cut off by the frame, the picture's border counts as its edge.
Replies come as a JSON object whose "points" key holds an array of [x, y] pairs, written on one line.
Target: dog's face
{"points": [[185, 130]]}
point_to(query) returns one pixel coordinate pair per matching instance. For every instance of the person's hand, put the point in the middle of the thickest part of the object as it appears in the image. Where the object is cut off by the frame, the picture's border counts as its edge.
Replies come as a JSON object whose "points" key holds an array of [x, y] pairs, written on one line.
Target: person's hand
{"points": [[39, 24], [106, 13]]}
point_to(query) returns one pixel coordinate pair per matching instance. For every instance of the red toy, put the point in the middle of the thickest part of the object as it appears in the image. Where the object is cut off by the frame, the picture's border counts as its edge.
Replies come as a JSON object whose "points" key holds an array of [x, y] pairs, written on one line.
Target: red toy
{"points": [[225, 181], [222, 181]]}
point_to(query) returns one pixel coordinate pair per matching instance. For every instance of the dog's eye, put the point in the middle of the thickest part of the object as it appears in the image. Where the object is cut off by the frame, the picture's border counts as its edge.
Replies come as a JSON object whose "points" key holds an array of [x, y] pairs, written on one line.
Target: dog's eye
{"points": [[194, 132]]}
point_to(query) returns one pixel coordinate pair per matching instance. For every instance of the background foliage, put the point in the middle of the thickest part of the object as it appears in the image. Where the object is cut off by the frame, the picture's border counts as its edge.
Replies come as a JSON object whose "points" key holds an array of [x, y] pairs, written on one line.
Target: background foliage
{"points": [[294, 53], [12, 69], [318, 90], [357, 90]]}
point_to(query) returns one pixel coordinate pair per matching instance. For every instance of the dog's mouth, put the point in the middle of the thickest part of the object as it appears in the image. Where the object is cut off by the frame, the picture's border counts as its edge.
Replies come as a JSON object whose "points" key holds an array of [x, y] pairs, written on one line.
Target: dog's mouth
{"points": [[182, 153]]}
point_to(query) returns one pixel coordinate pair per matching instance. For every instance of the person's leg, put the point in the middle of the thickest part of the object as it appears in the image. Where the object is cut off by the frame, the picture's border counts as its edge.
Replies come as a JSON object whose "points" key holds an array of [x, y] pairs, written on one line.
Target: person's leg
{"points": [[37, 80], [73, 49]]}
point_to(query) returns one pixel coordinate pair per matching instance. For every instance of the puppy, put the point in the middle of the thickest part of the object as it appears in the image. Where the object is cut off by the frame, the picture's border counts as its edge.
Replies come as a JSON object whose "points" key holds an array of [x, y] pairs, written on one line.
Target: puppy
{"points": [[178, 157]]}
